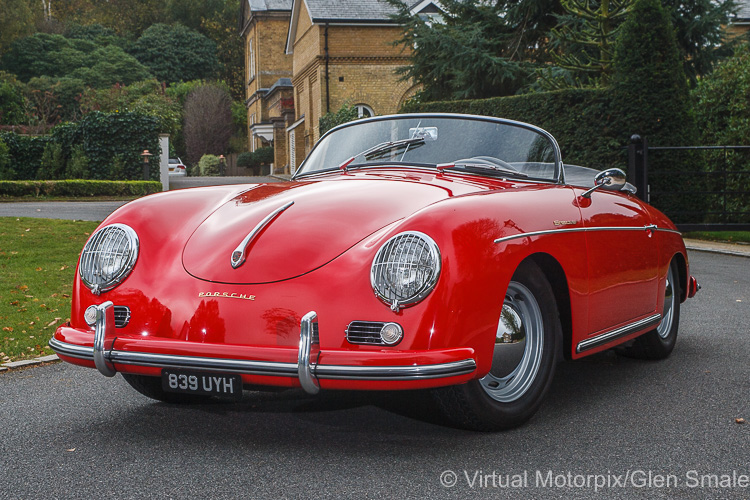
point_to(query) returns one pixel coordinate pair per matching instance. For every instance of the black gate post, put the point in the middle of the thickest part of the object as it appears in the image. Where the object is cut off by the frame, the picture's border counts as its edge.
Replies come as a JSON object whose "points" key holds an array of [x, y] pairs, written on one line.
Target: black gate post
{"points": [[638, 166]]}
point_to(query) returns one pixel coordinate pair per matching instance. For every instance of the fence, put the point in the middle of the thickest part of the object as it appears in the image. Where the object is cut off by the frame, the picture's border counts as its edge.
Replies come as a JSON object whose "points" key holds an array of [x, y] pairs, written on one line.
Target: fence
{"points": [[702, 188]]}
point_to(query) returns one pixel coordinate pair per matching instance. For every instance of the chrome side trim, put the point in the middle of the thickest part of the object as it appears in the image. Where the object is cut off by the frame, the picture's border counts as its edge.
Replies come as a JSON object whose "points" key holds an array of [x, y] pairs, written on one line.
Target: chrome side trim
{"points": [[532, 234], [238, 255], [271, 368], [305, 368], [105, 320], [619, 332]]}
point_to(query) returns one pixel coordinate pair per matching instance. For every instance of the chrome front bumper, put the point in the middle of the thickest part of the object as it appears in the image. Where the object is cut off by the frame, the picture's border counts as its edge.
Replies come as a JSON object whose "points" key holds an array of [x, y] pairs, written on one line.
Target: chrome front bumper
{"points": [[307, 369]]}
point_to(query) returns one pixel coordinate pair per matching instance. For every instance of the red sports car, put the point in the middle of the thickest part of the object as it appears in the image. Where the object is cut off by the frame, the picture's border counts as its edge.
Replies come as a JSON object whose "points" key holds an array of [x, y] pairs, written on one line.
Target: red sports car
{"points": [[444, 252]]}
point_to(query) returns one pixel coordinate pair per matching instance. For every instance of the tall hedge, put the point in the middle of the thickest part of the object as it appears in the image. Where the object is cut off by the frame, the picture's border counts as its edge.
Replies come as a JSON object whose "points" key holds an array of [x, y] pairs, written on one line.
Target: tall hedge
{"points": [[104, 141], [580, 119]]}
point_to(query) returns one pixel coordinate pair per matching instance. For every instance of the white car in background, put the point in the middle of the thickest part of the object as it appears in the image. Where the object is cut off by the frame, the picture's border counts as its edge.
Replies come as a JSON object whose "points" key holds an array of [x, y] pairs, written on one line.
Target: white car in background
{"points": [[177, 168]]}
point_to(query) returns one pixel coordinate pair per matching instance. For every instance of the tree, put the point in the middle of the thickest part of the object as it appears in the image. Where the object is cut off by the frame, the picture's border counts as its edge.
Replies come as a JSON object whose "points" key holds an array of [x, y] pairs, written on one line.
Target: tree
{"points": [[652, 98], [12, 100], [207, 122], [221, 27], [722, 104], [586, 36], [16, 21], [699, 27], [176, 53], [479, 49]]}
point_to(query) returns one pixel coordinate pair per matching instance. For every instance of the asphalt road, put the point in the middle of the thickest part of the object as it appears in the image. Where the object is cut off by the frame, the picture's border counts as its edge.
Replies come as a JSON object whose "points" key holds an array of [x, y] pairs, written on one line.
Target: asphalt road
{"points": [[68, 432], [99, 210]]}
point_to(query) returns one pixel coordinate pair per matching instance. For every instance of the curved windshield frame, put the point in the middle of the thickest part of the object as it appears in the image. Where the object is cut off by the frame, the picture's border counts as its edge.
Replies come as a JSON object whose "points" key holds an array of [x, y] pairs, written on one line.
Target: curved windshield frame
{"points": [[481, 145]]}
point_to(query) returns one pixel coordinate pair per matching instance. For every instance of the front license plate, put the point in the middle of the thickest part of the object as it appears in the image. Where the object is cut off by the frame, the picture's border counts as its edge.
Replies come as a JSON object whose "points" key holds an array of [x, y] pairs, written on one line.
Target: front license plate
{"points": [[222, 385]]}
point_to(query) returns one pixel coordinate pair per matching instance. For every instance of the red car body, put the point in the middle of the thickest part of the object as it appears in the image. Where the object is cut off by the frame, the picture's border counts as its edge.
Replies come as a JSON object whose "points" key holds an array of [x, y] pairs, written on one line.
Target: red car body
{"points": [[606, 256]]}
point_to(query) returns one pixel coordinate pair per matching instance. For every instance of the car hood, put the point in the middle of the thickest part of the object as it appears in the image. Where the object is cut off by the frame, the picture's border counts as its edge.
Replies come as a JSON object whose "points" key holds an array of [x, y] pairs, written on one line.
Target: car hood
{"points": [[326, 219]]}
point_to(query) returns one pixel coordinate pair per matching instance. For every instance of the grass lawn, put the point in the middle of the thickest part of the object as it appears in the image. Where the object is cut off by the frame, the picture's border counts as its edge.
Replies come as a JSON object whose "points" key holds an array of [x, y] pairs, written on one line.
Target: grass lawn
{"points": [[38, 259], [730, 236]]}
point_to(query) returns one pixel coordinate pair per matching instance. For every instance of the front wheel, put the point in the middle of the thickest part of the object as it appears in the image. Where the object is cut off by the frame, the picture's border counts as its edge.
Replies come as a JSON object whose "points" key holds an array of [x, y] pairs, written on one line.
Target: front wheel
{"points": [[523, 361]]}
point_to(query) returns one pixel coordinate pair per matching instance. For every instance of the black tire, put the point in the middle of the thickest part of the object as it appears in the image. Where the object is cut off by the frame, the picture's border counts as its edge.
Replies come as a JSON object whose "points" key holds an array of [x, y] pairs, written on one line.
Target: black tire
{"points": [[151, 387], [481, 405], [659, 342]]}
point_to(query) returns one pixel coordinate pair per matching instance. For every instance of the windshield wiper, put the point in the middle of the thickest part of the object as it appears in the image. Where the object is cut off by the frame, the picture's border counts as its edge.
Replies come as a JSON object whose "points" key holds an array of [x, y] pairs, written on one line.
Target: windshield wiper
{"points": [[382, 148], [481, 166]]}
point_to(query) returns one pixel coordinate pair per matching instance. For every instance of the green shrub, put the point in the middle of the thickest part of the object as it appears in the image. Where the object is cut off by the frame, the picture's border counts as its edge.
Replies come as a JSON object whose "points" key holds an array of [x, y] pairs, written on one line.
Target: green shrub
{"points": [[345, 113], [78, 165], [209, 165], [5, 169], [77, 188], [25, 153], [245, 160], [53, 163]]}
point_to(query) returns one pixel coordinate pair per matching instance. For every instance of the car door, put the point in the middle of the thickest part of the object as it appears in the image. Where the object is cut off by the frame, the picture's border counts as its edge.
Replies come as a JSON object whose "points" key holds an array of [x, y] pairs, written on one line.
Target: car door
{"points": [[622, 260]]}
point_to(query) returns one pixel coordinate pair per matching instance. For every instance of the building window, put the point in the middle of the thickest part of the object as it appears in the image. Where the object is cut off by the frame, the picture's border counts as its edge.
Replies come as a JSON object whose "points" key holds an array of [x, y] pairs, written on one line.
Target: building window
{"points": [[364, 111], [292, 153], [250, 61]]}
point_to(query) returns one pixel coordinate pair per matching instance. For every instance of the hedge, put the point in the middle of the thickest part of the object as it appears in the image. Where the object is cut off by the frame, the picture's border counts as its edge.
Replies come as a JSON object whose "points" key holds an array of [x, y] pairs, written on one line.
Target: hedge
{"points": [[105, 139], [78, 188], [582, 121]]}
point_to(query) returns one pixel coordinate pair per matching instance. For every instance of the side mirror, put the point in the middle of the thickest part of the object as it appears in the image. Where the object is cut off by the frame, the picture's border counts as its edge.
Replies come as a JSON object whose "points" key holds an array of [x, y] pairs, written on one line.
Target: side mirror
{"points": [[612, 179]]}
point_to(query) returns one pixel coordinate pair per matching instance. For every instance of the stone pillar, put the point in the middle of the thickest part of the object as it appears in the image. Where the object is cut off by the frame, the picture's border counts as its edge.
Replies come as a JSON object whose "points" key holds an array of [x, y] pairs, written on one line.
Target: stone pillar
{"points": [[164, 161]]}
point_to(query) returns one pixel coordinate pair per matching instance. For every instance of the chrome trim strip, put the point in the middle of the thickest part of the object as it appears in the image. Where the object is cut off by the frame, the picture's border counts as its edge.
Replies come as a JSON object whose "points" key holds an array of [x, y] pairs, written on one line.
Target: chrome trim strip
{"points": [[195, 362], [272, 368], [619, 332], [71, 350], [305, 369], [413, 372], [105, 320], [578, 230], [238, 255]]}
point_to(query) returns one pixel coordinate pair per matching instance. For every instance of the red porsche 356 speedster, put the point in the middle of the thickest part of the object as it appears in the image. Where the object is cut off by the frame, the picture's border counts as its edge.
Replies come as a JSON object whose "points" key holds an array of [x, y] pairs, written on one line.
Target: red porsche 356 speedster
{"points": [[431, 251]]}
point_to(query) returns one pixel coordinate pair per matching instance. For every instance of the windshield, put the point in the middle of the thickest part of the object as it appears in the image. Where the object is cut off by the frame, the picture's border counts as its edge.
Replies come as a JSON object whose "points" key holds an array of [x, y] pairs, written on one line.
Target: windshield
{"points": [[480, 145]]}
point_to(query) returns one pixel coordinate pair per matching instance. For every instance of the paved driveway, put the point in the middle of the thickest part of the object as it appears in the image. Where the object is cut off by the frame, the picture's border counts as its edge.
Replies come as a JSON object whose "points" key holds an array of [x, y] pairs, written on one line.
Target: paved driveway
{"points": [[611, 428]]}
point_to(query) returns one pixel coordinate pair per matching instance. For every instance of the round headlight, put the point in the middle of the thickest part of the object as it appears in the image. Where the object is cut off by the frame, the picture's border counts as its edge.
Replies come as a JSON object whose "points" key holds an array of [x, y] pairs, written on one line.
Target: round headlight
{"points": [[108, 257], [405, 269]]}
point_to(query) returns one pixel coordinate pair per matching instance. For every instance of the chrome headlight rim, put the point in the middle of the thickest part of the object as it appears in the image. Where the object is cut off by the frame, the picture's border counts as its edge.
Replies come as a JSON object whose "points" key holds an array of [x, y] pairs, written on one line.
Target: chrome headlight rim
{"points": [[426, 287], [87, 258]]}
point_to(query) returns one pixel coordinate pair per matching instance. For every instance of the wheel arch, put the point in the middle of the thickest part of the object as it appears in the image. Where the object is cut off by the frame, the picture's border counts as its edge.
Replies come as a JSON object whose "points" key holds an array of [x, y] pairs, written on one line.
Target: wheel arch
{"points": [[682, 273], [556, 277]]}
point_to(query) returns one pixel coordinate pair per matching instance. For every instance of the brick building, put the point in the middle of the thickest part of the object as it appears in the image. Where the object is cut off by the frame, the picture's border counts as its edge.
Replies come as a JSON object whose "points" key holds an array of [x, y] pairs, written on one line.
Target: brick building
{"points": [[332, 52]]}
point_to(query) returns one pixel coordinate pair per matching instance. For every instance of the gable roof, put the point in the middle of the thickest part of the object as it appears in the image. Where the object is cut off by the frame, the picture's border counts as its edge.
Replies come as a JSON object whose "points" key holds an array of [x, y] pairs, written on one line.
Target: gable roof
{"points": [[743, 11], [348, 12], [258, 5]]}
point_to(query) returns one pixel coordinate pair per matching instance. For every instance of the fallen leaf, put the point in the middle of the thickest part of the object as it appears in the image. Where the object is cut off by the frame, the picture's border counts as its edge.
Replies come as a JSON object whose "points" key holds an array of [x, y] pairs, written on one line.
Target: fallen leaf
{"points": [[23, 288], [29, 229], [67, 296], [63, 268], [14, 303], [8, 329], [739, 420], [71, 450], [38, 268]]}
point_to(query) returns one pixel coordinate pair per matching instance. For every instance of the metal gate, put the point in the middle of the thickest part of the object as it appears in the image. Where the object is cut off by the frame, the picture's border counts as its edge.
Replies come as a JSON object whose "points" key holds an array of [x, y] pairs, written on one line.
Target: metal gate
{"points": [[720, 180]]}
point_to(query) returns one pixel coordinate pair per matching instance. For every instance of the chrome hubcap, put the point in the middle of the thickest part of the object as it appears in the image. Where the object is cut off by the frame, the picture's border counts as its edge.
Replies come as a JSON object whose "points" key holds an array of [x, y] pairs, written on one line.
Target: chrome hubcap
{"points": [[667, 315], [519, 342]]}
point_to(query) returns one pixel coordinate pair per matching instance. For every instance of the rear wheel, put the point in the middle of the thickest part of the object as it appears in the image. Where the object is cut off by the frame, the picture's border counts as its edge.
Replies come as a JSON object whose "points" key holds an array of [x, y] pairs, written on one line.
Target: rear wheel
{"points": [[151, 387], [523, 362], [659, 342]]}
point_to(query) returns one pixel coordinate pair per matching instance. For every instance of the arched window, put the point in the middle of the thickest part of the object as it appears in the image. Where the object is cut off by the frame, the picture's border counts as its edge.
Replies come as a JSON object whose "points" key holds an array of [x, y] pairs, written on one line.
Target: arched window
{"points": [[364, 111]]}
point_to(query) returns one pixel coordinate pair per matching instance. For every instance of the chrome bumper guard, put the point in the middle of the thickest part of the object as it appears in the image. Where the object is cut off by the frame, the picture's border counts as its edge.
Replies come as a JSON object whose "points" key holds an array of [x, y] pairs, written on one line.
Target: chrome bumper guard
{"points": [[306, 369]]}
